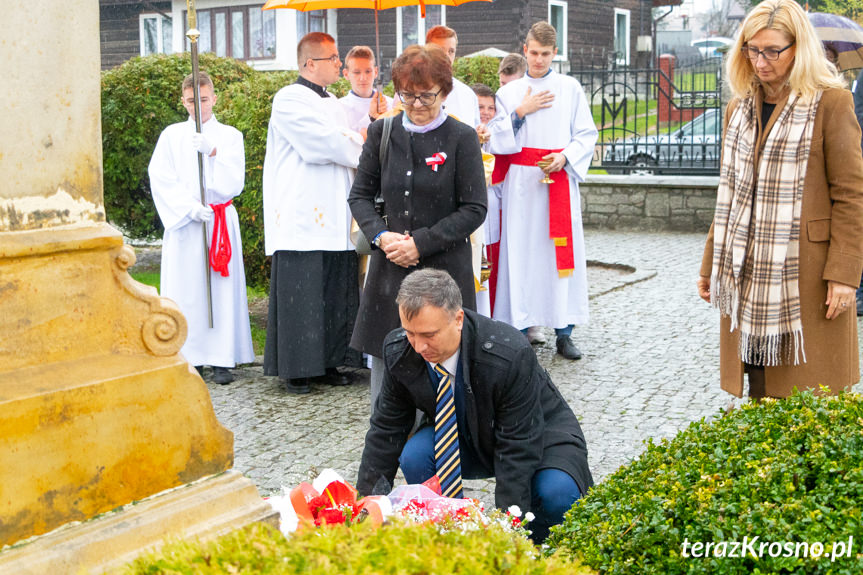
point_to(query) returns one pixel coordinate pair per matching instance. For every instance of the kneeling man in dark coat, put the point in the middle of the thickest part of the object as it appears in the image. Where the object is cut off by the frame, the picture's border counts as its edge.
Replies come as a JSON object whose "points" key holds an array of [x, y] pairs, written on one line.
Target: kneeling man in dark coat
{"points": [[490, 409]]}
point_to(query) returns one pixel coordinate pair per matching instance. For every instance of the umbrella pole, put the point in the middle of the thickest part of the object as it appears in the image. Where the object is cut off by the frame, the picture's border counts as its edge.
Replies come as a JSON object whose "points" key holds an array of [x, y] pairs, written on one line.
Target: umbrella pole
{"points": [[193, 34], [378, 54]]}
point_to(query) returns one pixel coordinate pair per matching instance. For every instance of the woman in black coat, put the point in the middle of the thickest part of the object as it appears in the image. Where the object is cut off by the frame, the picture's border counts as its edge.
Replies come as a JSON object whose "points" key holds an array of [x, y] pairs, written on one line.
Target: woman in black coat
{"points": [[433, 187]]}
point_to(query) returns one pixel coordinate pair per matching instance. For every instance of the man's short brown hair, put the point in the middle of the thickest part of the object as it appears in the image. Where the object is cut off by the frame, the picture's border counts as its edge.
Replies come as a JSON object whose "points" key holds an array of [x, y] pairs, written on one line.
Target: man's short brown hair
{"points": [[308, 43], [361, 52], [543, 34], [421, 67], [203, 80], [512, 64], [440, 32]]}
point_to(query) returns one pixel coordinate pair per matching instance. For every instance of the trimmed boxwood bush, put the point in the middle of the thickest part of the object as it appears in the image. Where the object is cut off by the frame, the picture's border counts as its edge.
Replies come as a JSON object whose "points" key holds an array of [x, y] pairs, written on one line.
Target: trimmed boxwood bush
{"points": [[139, 99], [482, 69], [361, 549], [786, 472]]}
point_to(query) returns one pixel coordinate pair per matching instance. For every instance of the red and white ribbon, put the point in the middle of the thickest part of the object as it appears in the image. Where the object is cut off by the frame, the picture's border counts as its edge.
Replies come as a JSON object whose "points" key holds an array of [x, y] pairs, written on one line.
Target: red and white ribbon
{"points": [[436, 160]]}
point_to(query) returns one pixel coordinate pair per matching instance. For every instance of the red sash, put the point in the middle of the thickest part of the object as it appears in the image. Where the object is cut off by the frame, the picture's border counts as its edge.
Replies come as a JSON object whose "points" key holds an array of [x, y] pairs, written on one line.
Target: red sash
{"points": [[559, 208], [220, 245]]}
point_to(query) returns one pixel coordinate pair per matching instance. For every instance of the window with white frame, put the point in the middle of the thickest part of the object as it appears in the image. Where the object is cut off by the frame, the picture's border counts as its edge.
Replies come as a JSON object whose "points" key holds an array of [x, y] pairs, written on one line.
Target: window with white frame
{"points": [[621, 36], [411, 26], [557, 12], [156, 33], [241, 32]]}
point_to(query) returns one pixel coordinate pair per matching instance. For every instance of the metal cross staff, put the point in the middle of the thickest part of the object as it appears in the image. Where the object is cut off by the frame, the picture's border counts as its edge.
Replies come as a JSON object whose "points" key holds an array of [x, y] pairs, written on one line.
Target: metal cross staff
{"points": [[192, 34]]}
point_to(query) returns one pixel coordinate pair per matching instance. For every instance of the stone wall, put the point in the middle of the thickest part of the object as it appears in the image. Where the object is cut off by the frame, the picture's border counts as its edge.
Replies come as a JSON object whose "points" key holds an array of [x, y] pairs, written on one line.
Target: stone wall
{"points": [[679, 203]]}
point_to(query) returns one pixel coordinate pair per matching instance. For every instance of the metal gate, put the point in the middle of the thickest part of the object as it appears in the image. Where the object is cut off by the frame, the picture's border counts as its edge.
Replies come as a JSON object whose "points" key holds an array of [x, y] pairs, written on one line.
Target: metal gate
{"points": [[665, 120]]}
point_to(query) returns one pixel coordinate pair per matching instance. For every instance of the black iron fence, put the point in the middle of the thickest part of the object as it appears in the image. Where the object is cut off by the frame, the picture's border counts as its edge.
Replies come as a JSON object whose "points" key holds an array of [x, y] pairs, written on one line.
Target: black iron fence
{"points": [[665, 120]]}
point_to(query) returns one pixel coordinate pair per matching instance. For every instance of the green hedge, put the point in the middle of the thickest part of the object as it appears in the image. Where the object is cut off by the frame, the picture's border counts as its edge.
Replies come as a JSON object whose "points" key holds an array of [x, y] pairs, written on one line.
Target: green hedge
{"points": [[482, 69], [361, 549], [786, 472]]}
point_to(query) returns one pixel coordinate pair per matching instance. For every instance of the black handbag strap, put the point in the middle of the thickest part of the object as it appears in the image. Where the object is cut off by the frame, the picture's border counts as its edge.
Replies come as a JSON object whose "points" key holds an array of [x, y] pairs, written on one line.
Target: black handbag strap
{"points": [[384, 152], [385, 141]]}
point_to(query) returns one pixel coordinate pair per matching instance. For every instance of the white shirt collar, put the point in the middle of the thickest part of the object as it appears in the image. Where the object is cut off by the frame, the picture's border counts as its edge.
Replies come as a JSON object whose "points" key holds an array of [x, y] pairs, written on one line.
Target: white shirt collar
{"points": [[451, 363]]}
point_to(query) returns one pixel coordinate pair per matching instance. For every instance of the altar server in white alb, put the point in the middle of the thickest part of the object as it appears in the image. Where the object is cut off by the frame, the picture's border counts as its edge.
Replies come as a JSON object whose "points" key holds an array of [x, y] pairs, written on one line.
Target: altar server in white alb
{"points": [[363, 103], [308, 170], [461, 102], [175, 184], [542, 278]]}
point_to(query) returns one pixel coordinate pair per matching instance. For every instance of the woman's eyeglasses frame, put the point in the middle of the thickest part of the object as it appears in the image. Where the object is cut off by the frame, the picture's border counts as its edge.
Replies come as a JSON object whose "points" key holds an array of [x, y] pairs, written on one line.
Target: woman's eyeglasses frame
{"points": [[426, 98], [769, 54]]}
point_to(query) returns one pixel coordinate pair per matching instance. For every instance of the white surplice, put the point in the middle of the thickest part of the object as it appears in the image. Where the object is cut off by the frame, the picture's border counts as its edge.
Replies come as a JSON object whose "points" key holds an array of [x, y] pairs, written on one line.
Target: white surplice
{"points": [[529, 290], [357, 110], [175, 187], [308, 170], [463, 104]]}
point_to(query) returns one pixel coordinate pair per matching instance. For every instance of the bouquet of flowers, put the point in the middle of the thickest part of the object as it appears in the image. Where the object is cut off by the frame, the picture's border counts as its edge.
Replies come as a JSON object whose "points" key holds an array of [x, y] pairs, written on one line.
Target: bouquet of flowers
{"points": [[331, 500], [328, 500]]}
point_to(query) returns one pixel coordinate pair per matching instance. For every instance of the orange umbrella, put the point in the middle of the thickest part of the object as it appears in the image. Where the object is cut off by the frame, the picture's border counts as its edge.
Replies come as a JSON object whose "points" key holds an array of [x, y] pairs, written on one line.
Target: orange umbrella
{"points": [[308, 5]]}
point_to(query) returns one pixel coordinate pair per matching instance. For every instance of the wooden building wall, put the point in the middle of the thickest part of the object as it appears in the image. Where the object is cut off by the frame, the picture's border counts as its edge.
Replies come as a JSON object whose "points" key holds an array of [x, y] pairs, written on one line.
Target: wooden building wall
{"points": [[504, 24], [478, 25], [119, 32]]}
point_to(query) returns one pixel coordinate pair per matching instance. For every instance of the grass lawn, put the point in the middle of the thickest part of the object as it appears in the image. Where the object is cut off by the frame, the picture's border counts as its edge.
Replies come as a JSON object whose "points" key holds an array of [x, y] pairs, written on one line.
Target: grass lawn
{"points": [[256, 297]]}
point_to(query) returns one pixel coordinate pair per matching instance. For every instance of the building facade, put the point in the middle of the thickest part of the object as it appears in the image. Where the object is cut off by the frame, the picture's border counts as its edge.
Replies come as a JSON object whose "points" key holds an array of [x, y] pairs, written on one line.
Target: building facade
{"points": [[594, 33]]}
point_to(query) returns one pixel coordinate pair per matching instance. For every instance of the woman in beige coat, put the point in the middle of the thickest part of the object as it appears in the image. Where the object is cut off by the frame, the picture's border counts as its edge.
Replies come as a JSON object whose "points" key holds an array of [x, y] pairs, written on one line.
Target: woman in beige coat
{"points": [[785, 251]]}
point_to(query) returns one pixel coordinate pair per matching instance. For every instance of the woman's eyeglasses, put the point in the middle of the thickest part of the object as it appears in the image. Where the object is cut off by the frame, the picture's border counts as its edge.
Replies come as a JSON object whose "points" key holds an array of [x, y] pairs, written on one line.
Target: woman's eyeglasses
{"points": [[426, 98], [770, 54]]}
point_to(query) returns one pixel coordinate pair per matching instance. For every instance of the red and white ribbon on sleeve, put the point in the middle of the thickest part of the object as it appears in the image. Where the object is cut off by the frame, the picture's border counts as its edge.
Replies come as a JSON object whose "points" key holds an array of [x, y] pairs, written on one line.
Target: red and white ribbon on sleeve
{"points": [[436, 160]]}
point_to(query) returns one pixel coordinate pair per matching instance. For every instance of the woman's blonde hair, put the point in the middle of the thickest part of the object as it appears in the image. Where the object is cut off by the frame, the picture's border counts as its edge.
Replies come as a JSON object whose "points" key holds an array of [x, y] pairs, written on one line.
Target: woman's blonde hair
{"points": [[810, 70]]}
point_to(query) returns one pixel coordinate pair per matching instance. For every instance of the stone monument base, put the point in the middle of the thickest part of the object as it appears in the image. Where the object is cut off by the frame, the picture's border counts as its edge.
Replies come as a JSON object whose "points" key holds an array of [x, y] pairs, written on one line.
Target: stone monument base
{"points": [[205, 509]]}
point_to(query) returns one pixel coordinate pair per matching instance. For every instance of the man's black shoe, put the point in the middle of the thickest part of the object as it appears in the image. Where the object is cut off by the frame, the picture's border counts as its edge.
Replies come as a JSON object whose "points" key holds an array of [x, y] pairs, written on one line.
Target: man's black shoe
{"points": [[859, 307], [222, 376], [567, 349], [334, 378], [298, 386]]}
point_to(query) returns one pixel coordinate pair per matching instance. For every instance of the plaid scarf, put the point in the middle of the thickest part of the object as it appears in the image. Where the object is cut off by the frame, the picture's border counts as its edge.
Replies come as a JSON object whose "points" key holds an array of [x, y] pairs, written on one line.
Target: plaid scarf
{"points": [[756, 251]]}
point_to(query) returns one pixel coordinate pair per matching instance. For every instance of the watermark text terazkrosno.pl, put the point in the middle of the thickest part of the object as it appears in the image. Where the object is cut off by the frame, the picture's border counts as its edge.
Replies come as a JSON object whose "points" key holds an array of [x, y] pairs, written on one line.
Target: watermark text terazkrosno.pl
{"points": [[755, 548]]}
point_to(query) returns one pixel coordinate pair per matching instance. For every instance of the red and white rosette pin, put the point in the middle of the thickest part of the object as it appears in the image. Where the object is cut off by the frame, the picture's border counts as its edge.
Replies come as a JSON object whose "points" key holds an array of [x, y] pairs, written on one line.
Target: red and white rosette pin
{"points": [[436, 160]]}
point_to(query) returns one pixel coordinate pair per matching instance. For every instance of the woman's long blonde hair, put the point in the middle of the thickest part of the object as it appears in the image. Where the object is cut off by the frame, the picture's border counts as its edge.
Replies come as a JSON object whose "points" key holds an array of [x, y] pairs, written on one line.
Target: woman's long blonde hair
{"points": [[810, 71]]}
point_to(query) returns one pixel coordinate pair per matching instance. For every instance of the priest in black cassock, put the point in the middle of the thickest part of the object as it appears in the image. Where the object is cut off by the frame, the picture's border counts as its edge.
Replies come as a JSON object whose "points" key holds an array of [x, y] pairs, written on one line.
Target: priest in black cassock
{"points": [[308, 172]]}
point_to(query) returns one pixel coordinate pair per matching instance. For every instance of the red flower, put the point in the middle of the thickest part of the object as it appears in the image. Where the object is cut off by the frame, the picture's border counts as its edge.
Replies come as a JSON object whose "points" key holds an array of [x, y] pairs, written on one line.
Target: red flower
{"points": [[330, 516]]}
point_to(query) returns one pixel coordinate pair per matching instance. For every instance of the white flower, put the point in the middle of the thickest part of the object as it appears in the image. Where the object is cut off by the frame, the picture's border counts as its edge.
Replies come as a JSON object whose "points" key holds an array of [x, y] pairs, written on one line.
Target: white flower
{"points": [[528, 517], [514, 510]]}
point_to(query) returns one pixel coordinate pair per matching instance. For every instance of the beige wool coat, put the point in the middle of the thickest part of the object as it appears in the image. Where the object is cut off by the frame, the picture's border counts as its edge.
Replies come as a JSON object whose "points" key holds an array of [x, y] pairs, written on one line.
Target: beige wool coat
{"points": [[831, 248]]}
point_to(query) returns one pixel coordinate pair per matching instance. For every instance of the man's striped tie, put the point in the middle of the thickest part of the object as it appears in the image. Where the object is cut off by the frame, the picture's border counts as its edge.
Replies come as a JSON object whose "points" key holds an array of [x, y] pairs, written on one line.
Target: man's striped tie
{"points": [[446, 451]]}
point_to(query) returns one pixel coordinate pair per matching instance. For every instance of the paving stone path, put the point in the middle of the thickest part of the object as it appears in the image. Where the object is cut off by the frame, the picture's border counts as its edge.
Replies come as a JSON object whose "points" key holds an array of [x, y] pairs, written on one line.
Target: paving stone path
{"points": [[650, 368]]}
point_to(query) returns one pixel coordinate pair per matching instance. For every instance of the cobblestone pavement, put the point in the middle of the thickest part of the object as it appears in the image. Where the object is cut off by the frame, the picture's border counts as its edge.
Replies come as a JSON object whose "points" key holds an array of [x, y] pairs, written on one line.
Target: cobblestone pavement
{"points": [[650, 368]]}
